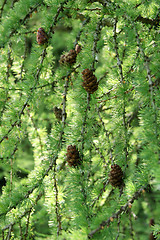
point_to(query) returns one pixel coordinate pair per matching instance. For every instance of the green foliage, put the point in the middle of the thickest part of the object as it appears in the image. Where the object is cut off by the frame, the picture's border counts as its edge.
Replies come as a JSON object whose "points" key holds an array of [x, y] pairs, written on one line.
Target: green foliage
{"points": [[41, 196]]}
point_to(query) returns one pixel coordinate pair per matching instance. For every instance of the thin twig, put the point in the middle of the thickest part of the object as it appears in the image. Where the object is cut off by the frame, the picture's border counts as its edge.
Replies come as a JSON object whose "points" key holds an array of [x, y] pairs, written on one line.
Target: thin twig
{"points": [[27, 224], [57, 207], [9, 232], [20, 229], [99, 152], [118, 224], [100, 194], [81, 30], [131, 224]]}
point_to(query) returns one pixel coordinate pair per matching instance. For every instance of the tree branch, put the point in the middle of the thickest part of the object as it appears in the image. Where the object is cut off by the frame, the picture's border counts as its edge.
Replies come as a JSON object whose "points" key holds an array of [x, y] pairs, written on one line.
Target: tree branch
{"points": [[116, 214]]}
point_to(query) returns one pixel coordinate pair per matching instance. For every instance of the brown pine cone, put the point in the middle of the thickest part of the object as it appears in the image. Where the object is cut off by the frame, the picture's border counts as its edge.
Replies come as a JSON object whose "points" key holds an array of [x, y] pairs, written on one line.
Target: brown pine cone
{"points": [[90, 83], [58, 113], [116, 176], [68, 58], [73, 158], [41, 36]]}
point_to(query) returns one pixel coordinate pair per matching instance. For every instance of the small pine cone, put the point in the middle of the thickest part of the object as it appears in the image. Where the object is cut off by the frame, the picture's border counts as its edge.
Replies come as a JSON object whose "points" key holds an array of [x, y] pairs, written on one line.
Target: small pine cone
{"points": [[73, 158], [90, 83], [116, 176], [68, 58], [41, 36], [58, 113]]}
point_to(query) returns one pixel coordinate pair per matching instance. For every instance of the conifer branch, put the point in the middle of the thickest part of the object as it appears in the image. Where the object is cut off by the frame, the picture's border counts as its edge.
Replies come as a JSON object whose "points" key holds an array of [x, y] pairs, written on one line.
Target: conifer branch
{"points": [[12, 154], [55, 20], [84, 124], [20, 229], [13, 2], [153, 22], [9, 232], [36, 185], [36, 129], [119, 64], [103, 2], [118, 224], [146, 59], [38, 71], [24, 57], [27, 224], [131, 224], [57, 205], [116, 214], [64, 114], [27, 211], [133, 64], [36, 75], [2, 235], [99, 152], [100, 194], [1, 9], [107, 135], [28, 99], [22, 21], [9, 65], [81, 30], [115, 96], [95, 41], [151, 84]]}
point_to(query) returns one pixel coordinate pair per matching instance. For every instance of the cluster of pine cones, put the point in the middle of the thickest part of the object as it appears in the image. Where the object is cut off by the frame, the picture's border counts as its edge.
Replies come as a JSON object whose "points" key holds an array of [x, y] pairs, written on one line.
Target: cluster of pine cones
{"points": [[90, 84]]}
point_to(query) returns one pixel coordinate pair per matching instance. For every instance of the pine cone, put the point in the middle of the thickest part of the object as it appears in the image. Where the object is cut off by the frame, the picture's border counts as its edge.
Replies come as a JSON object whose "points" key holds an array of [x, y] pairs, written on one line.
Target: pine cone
{"points": [[73, 158], [116, 176], [58, 113], [41, 36], [90, 83], [68, 58]]}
